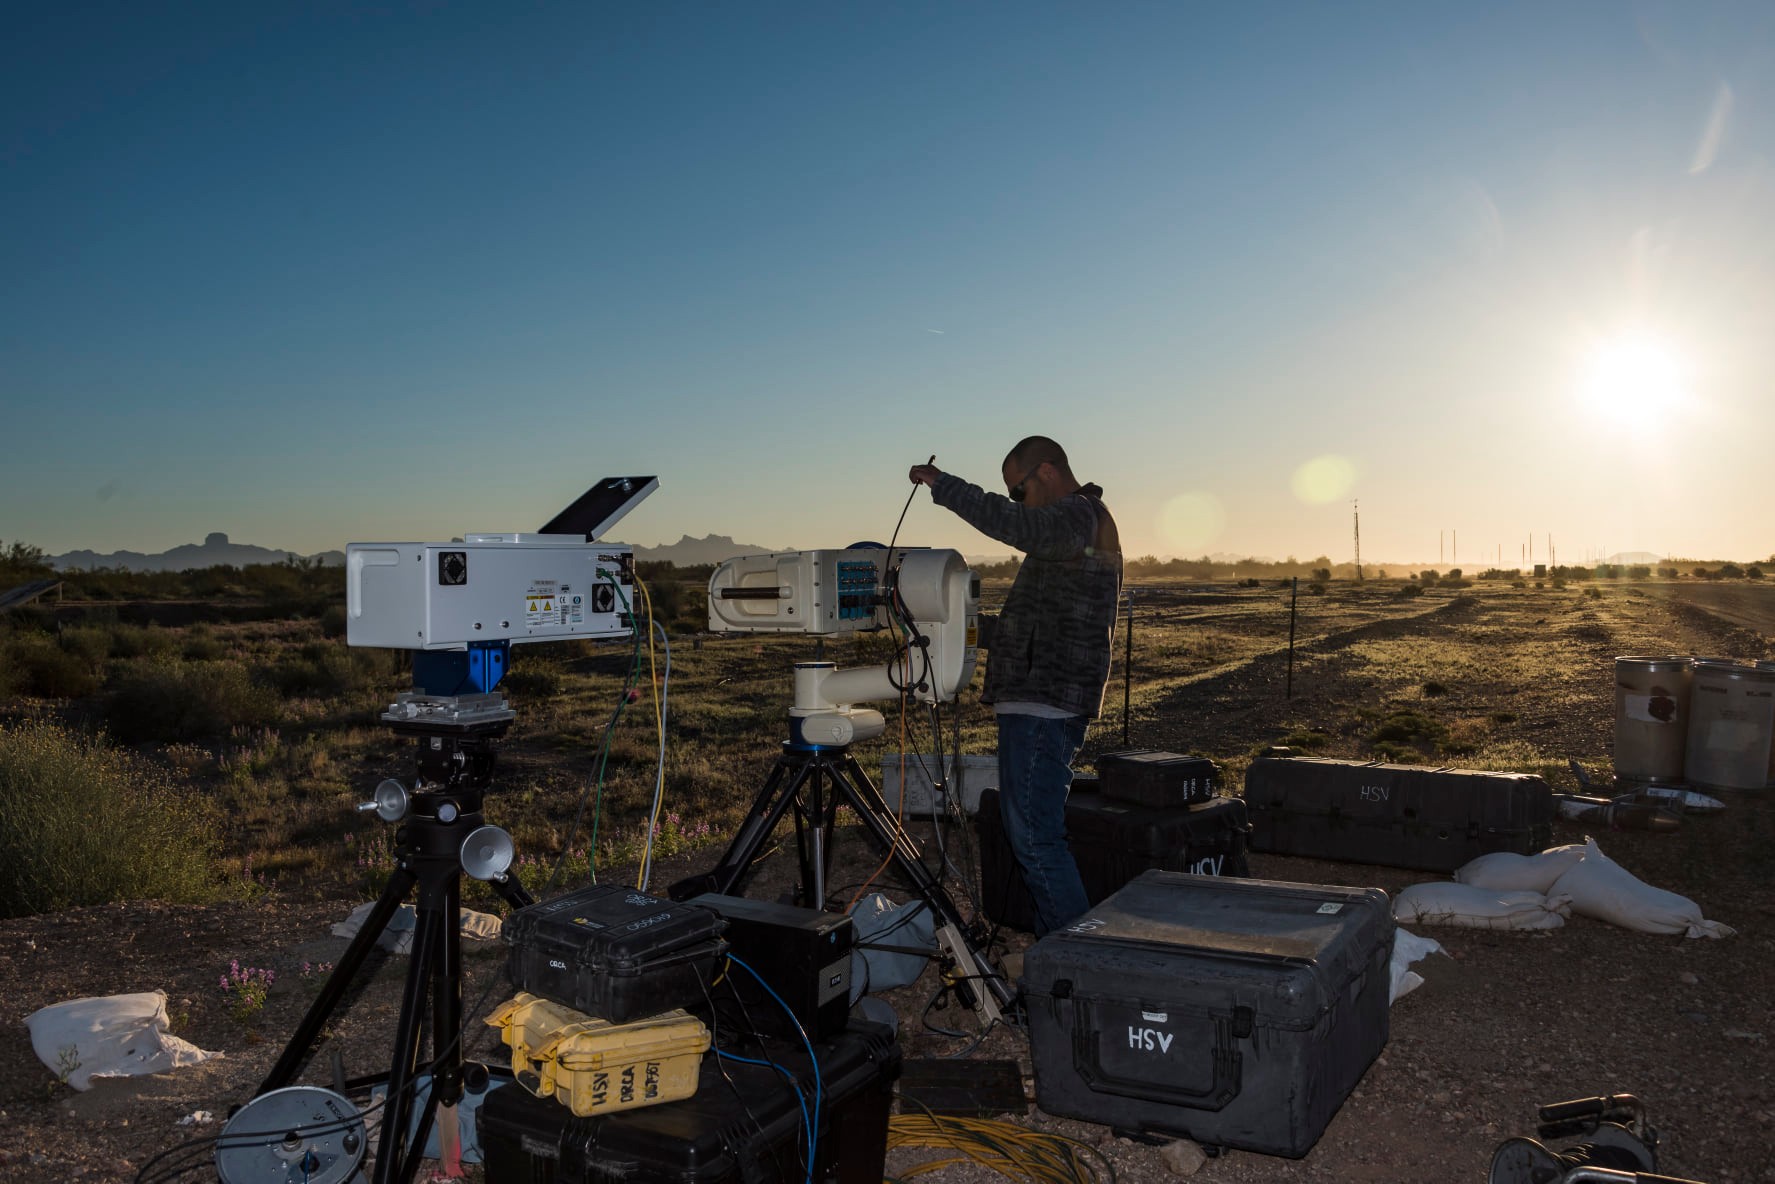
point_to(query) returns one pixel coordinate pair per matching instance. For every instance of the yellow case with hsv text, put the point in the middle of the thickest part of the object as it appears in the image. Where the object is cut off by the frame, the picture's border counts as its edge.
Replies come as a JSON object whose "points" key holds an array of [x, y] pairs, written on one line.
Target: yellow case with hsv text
{"points": [[593, 1066]]}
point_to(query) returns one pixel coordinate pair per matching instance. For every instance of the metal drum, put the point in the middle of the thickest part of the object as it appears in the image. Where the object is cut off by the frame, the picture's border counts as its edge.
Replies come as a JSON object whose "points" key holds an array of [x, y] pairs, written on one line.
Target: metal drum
{"points": [[1651, 718], [1731, 725], [1770, 666]]}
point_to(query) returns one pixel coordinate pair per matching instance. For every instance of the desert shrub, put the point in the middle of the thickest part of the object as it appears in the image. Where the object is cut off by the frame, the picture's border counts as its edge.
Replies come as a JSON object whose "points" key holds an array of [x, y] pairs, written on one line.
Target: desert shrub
{"points": [[1407, 728], [1593, 593], [82, 823], [1407, 591], [1315, 589], [332, 621], [322, 670], [1435, 688], [166, 700], [1753, 572], [136, 641], [533, 678], [202, 645], [46, 670], [1639, 571], [1307, 738], [1521, 584], [1731, 571], [88, 643]]}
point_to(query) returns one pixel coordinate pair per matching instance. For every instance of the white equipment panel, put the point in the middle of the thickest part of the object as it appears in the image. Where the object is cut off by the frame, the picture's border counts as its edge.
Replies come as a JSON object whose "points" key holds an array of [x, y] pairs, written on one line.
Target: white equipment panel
{"points": [[516, 588]]}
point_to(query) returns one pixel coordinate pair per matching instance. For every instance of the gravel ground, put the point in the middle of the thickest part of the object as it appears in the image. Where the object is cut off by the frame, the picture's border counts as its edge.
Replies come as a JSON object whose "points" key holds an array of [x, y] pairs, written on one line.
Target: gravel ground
{"points": [[1504, 1022]]}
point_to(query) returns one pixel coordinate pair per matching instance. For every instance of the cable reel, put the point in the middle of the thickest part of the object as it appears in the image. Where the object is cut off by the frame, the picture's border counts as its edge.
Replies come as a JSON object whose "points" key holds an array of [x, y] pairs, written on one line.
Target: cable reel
{"points": [[301, 1134], [1619, 1147]]}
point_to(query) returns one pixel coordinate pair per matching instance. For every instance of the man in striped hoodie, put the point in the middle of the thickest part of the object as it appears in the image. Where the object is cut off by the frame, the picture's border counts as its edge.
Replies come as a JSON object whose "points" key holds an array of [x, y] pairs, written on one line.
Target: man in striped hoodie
{"points": [[1049, 655]]}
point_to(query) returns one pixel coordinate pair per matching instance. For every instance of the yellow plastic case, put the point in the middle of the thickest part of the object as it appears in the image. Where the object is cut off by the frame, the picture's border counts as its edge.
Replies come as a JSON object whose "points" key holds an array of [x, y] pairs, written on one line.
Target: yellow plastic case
{"points": [[593, 1066]]}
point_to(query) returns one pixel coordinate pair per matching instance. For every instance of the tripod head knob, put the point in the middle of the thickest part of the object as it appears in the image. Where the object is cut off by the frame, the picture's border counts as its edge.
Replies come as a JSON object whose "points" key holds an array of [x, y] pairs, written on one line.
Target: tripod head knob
{"points": [[390, 803]]}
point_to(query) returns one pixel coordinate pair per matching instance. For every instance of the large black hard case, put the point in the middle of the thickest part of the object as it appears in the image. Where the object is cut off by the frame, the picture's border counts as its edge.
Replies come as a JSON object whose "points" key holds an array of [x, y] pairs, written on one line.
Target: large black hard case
{"points": [[748, 1130], [1112, 842], [613, 952], [1238, 1013], [1395, 815]]}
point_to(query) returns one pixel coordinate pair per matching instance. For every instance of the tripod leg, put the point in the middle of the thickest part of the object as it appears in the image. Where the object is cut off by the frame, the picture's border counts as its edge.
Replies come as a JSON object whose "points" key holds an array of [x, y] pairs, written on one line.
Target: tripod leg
{"points": [[297, 1050], [394, 1161], [866, 800], [761, 821]]}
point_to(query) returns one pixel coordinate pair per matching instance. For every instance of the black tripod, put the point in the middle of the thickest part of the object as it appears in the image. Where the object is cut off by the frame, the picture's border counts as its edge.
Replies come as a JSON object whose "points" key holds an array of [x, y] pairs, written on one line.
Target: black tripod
{"points": [[814, 780], [455, 767]]}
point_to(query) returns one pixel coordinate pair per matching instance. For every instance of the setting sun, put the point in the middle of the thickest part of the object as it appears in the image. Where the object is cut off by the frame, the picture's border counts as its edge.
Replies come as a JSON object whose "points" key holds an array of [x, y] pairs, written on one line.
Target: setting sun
{"points": [[1634, 381]]}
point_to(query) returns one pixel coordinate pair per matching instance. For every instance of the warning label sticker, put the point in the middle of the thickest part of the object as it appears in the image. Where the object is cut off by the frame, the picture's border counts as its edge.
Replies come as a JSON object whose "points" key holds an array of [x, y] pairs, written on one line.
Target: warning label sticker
{"points": [[549, 603]]}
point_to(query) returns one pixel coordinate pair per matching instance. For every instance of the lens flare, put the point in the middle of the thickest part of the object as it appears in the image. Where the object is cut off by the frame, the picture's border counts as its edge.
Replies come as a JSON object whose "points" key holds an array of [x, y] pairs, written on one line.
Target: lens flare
{"points": [[1189, 522], [1324, 479]]}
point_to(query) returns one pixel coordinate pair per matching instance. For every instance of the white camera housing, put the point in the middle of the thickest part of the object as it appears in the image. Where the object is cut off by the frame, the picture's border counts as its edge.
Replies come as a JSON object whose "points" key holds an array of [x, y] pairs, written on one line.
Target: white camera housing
{"points": [[487, 588]]}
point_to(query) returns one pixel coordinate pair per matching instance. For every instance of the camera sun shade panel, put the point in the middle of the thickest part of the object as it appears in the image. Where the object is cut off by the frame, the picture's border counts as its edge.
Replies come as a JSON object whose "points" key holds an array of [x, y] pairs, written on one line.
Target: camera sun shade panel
{"points": [[488, 588], [601, 507]]}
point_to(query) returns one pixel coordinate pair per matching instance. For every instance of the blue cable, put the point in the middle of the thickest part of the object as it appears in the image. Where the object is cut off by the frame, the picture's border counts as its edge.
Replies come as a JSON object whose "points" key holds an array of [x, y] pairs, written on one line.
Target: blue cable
{"points": [[813, 1058], [808, 1126]]}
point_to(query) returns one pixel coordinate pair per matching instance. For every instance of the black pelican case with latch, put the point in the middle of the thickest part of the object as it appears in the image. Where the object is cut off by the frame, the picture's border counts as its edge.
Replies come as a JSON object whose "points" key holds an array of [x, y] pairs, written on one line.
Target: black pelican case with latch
{"points": [[745, 1124], [1238, 1013], [615, 953], [1395, 815]]}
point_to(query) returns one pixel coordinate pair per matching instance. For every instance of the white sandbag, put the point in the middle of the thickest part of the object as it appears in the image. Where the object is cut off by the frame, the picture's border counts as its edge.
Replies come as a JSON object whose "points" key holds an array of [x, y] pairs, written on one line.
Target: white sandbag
{"points": [[1601, 888], [397, 935], [1408, 948], [111, 1036], [1441, 902], [1506, 871]]}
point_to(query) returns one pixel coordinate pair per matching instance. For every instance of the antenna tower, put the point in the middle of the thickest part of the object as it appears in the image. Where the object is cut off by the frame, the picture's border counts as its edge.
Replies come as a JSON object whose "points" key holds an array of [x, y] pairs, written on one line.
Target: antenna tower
{"points": [[1356, 512]]}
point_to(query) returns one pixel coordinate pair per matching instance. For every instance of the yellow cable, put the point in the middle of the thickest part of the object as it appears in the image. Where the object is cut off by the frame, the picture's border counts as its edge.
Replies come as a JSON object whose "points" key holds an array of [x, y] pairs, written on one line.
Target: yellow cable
{"points": [[1002, 1147]]}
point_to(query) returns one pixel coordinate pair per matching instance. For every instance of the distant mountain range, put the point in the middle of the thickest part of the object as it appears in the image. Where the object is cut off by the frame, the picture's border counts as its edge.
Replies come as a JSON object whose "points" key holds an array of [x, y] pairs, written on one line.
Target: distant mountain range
{"points": [[215, 551], [689, 552]]}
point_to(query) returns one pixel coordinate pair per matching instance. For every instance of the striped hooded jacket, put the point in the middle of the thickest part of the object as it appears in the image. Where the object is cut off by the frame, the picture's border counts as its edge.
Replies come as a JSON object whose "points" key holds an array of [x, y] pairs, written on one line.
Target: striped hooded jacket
{"points": [[1053, 638]]}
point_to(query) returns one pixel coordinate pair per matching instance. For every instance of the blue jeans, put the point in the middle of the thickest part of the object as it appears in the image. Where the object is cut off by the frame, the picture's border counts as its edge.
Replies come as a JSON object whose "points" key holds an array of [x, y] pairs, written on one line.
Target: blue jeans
{"points": [[1034, 775]]}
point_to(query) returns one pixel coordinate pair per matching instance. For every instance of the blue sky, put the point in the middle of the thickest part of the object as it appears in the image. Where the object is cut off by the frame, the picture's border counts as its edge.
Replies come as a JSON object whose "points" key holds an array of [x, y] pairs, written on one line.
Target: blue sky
{"points": [[310, 274]]}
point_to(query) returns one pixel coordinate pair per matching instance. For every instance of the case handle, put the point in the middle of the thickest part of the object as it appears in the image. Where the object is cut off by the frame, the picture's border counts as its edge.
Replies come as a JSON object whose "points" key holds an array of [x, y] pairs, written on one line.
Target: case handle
{"points": [[1227, 1061]]}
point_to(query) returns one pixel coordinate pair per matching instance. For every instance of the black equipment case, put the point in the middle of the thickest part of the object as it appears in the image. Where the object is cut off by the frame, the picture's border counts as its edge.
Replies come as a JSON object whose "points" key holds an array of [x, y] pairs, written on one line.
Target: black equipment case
{"points": [[615, 953], [804, 955], [1395, 815], [1238, 1013], [1112, 842], [746, 1125], [1149, 777]]}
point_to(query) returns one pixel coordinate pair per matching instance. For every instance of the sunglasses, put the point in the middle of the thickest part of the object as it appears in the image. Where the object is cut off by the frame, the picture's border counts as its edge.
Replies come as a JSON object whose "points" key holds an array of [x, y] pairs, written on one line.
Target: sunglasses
{"points": [[1017, 489]]}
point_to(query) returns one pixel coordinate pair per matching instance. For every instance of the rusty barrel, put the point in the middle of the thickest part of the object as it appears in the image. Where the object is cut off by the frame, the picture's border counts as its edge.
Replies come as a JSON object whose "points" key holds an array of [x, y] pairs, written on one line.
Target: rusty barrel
{"points": [[1651, 718]]}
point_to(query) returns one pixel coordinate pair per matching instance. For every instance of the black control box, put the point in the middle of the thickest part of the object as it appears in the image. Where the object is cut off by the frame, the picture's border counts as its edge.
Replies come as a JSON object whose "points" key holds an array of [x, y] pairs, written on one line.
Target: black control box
{"points": [[803, 954]]}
